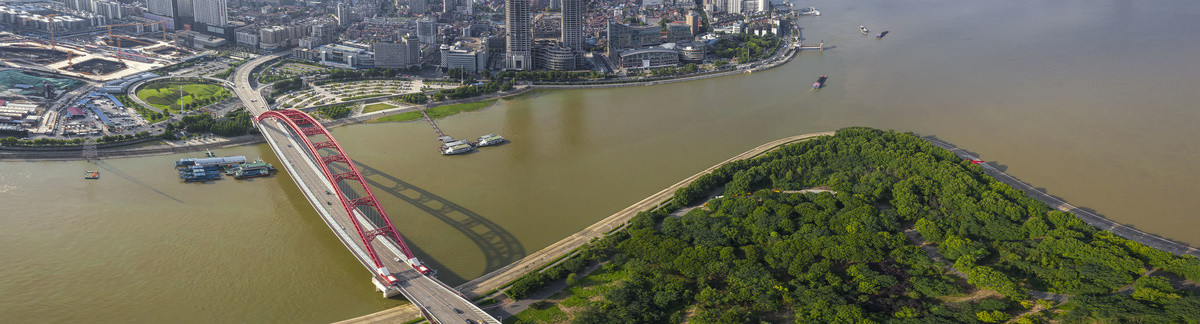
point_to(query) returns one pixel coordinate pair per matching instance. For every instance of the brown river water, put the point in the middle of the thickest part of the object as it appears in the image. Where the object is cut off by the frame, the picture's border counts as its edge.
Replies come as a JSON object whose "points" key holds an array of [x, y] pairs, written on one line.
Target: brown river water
{"points": [[1095, 101]]}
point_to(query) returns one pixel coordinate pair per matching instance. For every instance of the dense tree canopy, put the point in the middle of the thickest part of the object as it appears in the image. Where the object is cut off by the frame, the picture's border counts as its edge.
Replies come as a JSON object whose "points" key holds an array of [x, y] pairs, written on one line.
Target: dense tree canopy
{"points": [[762, 252]]}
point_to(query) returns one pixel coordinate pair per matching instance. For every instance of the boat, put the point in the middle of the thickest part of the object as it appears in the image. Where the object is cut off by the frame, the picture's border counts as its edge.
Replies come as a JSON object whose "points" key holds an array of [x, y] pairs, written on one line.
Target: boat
{"points": [[258, 164], [91, 175], [456, 147], [820, 82], [218, 161], [863, 29], [810, 11], [251, 173], [884, 33], [490, 139], [199, 174]]}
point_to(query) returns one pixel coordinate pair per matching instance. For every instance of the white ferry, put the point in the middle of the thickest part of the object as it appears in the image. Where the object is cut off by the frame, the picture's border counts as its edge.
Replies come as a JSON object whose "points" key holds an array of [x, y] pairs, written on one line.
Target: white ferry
{"points": [[456, 147], [489, 140]]}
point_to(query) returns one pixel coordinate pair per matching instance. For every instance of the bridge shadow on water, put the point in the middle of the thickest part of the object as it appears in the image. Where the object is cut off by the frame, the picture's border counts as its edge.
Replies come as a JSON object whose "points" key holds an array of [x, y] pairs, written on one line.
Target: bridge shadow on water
{"points": [[499, 247]]}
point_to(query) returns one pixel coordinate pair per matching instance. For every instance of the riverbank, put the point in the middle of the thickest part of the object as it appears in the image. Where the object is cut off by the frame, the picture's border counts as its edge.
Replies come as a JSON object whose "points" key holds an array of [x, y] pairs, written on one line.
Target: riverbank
{"points": [[667, 80], [122, 150]]}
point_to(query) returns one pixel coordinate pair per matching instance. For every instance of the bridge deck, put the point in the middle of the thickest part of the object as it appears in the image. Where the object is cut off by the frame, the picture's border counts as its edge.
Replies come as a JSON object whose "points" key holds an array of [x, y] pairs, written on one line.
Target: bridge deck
{"points": [[438, 302]]}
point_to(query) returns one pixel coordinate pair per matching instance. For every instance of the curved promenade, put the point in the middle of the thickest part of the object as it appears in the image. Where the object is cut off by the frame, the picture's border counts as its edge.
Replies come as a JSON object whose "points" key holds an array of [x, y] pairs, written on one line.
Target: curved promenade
{"points": [[1091, 218]]}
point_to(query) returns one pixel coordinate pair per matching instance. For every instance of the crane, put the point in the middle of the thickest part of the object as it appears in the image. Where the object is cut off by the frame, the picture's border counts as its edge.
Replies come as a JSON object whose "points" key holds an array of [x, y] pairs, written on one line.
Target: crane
{"points": [[49, 18]]}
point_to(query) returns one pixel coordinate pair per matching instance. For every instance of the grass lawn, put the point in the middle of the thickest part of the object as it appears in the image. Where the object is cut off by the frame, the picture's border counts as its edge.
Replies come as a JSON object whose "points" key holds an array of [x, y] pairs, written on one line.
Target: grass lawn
{"points": [[376, 107], [166, 96], [412, 115], [447, 110], [546, 314]]}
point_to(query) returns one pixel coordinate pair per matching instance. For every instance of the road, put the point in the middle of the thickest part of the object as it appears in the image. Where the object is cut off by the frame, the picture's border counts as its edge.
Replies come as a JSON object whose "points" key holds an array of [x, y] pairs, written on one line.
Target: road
{"points": [[441, 303], [1089, 217]]}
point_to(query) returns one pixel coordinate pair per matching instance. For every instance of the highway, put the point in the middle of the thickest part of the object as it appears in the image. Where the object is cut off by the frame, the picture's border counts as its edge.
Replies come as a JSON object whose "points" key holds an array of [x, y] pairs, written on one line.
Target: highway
{"points": [[438, 302]]}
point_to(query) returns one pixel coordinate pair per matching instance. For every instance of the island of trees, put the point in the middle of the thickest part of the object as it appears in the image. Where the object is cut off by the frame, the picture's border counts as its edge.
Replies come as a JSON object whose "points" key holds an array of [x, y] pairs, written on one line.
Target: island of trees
{"points": [[907, 233]]}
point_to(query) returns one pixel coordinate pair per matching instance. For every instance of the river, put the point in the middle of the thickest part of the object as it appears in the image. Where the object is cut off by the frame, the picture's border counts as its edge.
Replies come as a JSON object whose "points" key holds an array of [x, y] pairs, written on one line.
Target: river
{"points": [[1093, 101]]}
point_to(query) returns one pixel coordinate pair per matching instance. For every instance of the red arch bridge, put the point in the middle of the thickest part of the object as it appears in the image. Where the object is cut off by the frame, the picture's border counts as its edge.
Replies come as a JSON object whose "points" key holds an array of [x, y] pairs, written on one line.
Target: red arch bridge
{"points": [[332, 184]]}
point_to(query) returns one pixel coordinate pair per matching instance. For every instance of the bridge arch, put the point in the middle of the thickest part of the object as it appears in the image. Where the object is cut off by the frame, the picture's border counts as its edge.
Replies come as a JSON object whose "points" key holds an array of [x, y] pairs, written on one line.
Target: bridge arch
{"points": [[305, 126]]}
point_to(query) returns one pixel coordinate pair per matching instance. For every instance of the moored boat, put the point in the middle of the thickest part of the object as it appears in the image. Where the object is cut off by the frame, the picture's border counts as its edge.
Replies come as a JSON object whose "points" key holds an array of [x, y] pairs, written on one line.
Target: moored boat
{"points": [[456, 147], [490, 139]]}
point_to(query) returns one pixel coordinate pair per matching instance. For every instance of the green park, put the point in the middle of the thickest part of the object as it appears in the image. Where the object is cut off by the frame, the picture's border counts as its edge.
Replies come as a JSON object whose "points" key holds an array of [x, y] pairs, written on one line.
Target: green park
{"points": [[176, 96]]}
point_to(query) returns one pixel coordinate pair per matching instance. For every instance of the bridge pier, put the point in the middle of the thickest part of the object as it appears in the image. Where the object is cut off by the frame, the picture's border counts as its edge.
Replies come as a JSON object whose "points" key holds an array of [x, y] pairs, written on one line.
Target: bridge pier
{"points": [[388, 291]]}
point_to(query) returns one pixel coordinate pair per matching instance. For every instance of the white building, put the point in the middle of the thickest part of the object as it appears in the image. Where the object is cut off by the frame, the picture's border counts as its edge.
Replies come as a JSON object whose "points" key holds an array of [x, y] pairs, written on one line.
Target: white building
{"points": [[213, 13], [469, 54]]}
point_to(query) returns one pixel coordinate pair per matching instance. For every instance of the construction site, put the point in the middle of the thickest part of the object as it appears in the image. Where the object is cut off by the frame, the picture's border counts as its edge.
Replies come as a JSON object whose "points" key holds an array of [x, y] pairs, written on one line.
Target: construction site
{"points": [[117, 51]]}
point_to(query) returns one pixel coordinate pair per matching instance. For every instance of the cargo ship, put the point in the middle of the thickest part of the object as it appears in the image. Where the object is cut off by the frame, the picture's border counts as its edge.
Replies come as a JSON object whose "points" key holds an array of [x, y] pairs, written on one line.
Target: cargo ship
{"points": [[490, 139], [884, 33], [820, 82], [456, 147]]}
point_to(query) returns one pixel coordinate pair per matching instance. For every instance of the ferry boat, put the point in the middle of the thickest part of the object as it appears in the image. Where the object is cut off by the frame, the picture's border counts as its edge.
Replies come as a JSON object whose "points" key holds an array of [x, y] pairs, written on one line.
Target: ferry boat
{"points": [[258, 164], [820, 82], [863, 29], [251, 173], [91, 175], [810, 11], [490, 139], [456, 147], [884, 33]]}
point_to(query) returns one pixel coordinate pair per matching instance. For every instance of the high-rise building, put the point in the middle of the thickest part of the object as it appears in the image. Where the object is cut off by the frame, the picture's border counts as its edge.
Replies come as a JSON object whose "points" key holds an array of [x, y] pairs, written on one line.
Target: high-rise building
{"points": [[427, 30], [213, 13], [761, 5], [572, 24], [459, 6], [397, 55], [733, 6], [417, 6], [518, 54], [165, 8], [413, 46], [185, 8], [693, 21], [81, 5], [108, 9]]}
